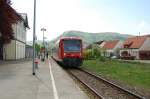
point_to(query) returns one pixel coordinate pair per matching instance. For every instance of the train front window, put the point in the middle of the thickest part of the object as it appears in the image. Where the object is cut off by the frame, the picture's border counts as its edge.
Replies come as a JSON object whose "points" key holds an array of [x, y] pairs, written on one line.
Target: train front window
{"points": [[72, 45]]}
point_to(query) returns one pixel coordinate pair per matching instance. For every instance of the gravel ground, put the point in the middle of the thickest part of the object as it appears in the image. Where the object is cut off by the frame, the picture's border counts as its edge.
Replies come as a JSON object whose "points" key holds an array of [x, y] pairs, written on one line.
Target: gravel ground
{"points": [[90, 94]]}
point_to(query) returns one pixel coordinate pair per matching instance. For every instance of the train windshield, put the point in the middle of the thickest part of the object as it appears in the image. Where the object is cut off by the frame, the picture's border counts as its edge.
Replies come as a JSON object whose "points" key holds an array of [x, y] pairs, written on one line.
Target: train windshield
{"points": [[72, 45]]}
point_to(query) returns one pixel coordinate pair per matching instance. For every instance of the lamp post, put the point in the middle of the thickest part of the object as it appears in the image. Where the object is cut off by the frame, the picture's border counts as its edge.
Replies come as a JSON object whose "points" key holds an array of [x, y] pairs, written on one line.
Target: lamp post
{"points": [[34, 30], [43, 29]]}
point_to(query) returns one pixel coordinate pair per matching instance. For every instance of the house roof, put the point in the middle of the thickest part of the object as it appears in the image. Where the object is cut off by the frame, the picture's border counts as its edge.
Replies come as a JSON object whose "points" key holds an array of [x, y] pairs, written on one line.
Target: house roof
{"points": [[134, 42], [110, 44], [99, 42], [25, 19], [148, 35], [29, 46]]}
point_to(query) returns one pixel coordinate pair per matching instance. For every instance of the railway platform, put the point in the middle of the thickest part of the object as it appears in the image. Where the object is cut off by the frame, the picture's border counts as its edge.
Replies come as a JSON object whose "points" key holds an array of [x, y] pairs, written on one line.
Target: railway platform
{"points": [[50, 82]]}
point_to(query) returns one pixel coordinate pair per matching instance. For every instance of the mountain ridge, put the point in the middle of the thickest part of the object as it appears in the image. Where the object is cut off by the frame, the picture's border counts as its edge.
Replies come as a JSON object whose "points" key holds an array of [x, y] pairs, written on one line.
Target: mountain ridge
{"points": [[89, 38]]}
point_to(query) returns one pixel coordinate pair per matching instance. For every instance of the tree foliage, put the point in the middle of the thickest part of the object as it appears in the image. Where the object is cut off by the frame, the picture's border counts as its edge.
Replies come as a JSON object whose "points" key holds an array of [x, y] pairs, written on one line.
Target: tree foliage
{"points": [[94, 53], [8, 16], [37, 47]]}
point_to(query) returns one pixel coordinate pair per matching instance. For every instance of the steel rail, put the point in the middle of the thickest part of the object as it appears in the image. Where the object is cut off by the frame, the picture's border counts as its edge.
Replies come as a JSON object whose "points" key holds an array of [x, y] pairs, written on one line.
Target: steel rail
{"points": [[113, 84], [86, 85]]}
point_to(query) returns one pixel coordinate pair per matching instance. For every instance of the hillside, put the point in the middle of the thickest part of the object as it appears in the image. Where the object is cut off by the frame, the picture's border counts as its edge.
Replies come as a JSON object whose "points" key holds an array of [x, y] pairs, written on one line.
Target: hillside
{"points": [[92, 37]]}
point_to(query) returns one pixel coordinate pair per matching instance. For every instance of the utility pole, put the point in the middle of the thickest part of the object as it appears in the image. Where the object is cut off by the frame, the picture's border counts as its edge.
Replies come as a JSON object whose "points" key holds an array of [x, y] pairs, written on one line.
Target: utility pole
{"points": [[34, 30]]}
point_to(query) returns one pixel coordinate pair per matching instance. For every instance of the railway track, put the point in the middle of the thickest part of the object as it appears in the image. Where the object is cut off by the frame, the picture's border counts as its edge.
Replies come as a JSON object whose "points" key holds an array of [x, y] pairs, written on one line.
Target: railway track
{"points": [[102, 88]]}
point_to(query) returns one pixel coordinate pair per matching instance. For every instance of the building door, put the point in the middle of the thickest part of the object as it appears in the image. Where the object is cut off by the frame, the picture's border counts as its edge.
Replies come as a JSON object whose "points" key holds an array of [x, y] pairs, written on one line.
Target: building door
{"points": [[1, 50]]}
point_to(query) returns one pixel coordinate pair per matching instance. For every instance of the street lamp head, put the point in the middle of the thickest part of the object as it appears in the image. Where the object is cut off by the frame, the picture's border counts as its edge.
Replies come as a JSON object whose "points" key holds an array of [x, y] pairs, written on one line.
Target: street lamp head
{"points": [[43, 29]]}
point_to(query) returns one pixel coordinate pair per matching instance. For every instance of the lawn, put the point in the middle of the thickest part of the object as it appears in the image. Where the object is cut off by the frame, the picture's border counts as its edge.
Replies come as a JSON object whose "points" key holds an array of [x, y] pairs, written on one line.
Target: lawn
{"points": [[134, 74]]}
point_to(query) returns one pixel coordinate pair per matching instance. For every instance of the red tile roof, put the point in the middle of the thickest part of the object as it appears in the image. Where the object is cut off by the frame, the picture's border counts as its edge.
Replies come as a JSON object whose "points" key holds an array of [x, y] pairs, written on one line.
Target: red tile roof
{"points": [[134, 42], [110, 44], [148, 35]]}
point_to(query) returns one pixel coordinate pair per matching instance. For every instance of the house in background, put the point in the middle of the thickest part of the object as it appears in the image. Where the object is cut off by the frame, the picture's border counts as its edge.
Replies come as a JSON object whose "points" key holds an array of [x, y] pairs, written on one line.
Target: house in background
{"points": [[137, 47], [112, 48], [16, 49], [100, 43], [29, 51]]}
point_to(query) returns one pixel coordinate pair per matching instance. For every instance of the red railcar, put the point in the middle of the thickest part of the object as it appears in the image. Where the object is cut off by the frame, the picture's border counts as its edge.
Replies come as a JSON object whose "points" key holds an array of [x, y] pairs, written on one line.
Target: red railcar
{"points": [[68, 51]]}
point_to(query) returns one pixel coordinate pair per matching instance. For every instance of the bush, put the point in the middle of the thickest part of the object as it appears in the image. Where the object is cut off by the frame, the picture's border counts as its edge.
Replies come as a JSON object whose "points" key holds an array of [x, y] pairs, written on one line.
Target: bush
{"points": [[87, 54], [102, 59], [94, 53]]}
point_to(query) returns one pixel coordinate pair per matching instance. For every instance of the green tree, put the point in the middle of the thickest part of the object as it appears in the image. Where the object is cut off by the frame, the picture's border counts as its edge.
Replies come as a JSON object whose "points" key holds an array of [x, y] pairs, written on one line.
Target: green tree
{"points": [[37, 48]]}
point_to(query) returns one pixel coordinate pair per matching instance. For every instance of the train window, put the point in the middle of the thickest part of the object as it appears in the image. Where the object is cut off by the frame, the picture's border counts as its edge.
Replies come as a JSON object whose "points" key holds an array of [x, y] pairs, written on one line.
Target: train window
{"points": [[72, 45]]}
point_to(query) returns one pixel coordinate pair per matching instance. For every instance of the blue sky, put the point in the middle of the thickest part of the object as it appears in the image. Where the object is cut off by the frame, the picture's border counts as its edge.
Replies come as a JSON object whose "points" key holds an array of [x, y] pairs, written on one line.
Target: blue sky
{"points": [[123, 13], [57, 16]]}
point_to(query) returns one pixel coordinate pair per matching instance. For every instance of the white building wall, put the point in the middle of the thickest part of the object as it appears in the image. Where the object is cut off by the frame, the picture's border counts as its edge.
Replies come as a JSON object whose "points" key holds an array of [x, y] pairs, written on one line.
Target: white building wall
{"points": [[119, 45], [101, 45], [115, 50], [20, 31], [16, 49], [146, 45], [9, 51], [108, 52], [14, 26], [20, 36], [132, 52], [20, 50]]}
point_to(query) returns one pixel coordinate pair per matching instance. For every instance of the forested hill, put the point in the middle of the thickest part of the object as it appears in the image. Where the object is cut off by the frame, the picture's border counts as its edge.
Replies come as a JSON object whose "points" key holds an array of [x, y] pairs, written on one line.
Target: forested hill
{"points": [[93, 37]]}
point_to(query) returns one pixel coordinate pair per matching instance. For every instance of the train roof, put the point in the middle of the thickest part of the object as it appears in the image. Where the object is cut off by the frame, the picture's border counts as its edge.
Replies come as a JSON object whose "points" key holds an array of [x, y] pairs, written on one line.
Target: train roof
{"points": [[67, 38]]}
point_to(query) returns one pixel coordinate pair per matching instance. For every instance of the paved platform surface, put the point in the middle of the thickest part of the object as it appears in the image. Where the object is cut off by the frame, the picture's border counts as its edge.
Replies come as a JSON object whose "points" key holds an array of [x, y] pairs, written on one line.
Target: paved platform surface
{"points": [[66, 88], [17, 82]]}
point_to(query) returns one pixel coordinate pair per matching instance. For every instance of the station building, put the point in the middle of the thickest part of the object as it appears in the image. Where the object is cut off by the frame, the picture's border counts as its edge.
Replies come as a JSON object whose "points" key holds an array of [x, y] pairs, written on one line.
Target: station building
{"points": [[16, 48]]}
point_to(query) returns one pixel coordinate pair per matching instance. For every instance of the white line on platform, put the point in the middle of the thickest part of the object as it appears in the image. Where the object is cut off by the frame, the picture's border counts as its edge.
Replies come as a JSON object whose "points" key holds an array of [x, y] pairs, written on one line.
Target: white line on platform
{"points": [[53, 82]]}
